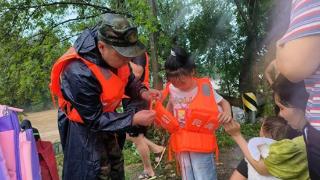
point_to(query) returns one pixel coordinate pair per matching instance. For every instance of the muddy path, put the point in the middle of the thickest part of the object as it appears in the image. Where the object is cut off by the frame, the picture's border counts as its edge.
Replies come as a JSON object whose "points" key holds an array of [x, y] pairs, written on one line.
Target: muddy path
{"points": [[46, 123]]}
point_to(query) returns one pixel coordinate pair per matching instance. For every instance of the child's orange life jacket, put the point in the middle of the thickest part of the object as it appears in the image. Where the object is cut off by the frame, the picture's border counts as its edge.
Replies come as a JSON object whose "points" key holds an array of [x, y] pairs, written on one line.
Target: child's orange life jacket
{"points": [[113, 85], [198, 134]]}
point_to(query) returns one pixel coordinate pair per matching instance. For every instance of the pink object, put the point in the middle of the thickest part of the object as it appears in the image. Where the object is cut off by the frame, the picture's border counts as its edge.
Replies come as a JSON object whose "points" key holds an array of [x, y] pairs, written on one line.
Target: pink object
{"points": [[25, 157], [4, 110], [7, 147], [4, 175]]}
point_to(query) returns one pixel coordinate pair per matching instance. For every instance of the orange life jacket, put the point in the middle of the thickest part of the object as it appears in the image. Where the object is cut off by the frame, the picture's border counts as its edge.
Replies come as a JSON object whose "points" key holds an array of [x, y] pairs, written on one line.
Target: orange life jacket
{"points": [[113, 86], [198, 134], [146, 72]]}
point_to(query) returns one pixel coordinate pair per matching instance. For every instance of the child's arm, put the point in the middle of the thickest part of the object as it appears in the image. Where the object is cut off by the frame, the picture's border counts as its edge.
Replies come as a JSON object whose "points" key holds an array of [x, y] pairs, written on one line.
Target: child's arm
{"points": [[259, 166], [233, 129], [170, 107], [225, 116]]}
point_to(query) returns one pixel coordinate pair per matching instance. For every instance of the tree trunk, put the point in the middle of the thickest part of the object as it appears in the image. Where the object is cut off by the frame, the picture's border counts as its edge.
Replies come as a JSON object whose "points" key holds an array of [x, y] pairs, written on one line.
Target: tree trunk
{"points": [[246, 72], [157, 80], [247, 77]]}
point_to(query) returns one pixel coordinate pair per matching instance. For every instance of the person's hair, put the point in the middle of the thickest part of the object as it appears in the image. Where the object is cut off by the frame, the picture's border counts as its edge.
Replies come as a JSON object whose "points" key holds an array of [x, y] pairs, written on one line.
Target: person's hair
{"points": [[276, 127], [291, 94], [179, 63]]}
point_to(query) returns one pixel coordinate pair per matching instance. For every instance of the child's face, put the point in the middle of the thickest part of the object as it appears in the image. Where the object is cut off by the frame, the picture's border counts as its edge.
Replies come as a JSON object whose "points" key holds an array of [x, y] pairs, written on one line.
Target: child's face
{"points": [[294, 116], [184, 83]]}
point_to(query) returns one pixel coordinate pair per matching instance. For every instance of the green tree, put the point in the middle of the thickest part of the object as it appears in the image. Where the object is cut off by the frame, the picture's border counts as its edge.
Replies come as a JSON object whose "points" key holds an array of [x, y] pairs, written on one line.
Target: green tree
{"points": [[223, 36], [252, 18], [33, 35]]}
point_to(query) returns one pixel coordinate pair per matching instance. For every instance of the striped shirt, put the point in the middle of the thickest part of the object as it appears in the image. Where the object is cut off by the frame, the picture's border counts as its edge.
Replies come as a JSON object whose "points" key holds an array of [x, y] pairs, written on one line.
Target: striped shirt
{"points": [[305, 21], [313, 106]]}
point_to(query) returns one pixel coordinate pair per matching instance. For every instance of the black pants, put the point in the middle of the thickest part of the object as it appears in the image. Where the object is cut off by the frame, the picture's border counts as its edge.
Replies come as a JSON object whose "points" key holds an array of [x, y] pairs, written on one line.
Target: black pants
{"points": [[312, 137]]}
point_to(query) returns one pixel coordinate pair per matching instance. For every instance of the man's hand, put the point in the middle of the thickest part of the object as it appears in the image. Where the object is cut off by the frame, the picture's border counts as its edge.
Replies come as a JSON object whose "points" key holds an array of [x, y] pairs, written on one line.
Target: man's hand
{"points": [[144, 118], [271, 68], [232, 128], [151, 94], [224, 118]]}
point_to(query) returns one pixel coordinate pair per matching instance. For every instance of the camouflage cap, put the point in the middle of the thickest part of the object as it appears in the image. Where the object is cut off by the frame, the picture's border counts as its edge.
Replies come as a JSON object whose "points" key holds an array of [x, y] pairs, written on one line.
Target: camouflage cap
{"points": [[117, 31]]}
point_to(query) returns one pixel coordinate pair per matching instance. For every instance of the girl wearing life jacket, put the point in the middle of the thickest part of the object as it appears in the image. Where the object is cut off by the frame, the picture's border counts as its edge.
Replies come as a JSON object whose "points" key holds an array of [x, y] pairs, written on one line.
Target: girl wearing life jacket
{"points": [[194, 117]]}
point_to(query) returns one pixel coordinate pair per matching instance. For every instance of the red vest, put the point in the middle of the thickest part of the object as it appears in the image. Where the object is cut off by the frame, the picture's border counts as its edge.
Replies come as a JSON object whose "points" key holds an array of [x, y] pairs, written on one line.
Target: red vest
{"points": [[198, 134], [47, 160], [113, 86]]}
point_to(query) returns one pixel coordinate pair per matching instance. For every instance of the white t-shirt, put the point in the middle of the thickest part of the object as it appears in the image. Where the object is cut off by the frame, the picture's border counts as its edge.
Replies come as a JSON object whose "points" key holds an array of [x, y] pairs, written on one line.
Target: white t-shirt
{"points": [[181, 99], [259, 147]]}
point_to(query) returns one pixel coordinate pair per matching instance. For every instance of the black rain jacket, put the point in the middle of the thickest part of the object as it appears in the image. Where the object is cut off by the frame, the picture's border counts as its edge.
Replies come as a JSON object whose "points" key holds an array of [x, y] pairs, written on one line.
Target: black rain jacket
{"points": [[91, 150]]}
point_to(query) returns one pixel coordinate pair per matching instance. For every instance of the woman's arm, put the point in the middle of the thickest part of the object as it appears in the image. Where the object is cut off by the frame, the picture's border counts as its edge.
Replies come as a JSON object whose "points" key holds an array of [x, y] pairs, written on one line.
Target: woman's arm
{"points": [[299, 59]]}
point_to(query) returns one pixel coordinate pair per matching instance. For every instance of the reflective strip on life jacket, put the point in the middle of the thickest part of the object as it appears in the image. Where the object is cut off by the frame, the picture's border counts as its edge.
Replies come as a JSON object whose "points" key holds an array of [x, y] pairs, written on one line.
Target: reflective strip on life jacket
{"points": [[146, 81]]}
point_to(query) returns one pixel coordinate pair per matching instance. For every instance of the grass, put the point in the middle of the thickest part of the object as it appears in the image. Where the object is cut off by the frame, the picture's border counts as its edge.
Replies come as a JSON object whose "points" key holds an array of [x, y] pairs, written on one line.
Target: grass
{"points": [[130, 154]]}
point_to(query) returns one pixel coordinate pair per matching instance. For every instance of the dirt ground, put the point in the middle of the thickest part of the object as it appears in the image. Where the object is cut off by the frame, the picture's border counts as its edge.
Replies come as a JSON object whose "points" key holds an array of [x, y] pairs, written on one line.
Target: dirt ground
{"points": [[46, 123], [229, 160]]}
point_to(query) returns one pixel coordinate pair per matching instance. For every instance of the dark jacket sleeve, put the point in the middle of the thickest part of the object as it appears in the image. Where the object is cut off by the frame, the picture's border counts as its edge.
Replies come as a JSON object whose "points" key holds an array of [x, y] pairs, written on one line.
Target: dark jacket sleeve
{"points": [[82, 90]]}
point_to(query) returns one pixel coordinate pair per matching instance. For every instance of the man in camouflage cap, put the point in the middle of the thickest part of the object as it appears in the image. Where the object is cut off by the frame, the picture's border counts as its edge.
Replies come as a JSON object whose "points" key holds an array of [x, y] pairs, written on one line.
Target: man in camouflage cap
{"points": [[90, 81]]}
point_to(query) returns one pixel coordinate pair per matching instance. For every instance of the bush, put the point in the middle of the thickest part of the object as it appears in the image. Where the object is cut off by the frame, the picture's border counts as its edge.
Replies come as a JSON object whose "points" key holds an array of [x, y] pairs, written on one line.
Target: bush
{"points": [[130, 154]]}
